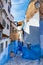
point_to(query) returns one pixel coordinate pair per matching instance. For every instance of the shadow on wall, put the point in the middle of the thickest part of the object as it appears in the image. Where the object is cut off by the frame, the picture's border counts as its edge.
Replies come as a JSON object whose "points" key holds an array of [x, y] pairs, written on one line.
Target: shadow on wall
{"points": [[33, 37], [41, 27]]}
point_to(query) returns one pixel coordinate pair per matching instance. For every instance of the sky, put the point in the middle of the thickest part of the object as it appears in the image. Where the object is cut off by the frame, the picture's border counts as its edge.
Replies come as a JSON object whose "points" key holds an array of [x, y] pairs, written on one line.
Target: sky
{"points": [[19, 8]]}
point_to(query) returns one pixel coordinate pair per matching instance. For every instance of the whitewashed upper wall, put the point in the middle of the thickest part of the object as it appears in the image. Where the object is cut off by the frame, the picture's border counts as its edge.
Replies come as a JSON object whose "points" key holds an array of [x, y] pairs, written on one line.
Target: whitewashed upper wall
{"points": [[34, 21], [31, 29]]}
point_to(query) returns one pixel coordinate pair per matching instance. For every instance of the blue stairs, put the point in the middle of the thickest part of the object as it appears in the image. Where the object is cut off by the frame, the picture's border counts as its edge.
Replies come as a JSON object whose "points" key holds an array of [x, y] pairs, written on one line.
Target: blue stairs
{"points": [[31, 53]]}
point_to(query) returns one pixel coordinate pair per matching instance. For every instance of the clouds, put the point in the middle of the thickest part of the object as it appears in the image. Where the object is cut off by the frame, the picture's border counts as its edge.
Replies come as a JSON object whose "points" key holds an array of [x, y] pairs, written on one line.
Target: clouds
{"points": [[19, 8], [19, 1], [19, 15]]}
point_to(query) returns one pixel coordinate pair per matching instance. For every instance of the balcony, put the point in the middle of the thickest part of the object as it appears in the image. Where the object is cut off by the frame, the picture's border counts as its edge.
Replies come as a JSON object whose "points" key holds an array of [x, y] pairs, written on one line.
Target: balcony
{"points": [[4, 47], [10, 17], [31, 11]]}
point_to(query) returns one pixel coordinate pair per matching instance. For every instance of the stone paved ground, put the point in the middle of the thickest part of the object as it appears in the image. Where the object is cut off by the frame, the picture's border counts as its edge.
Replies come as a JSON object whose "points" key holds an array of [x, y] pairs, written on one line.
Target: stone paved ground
{"points": [[20, 61]]}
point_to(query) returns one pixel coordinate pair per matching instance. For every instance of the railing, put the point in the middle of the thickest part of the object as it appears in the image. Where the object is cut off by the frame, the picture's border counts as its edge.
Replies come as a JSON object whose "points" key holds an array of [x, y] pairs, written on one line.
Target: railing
{"points": [[4, 45], [9, 1]]}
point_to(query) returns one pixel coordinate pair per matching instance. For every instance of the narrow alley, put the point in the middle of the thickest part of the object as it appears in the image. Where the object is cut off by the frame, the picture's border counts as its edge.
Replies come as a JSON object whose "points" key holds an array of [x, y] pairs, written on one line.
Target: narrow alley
{"points": [[21, 32]]}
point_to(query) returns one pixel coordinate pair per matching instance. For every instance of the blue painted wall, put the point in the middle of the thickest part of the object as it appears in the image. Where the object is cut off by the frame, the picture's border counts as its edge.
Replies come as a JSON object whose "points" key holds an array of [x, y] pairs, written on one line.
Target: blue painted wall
{"points": [[41, 36], [4, 57], [41, 27], [33, 37], [13, 47]]}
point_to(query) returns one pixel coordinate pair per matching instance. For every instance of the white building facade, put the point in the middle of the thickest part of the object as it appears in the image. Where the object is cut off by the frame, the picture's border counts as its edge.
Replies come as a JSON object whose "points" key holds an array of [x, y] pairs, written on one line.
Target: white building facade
{"points": [[31, 30], [5, 19]]}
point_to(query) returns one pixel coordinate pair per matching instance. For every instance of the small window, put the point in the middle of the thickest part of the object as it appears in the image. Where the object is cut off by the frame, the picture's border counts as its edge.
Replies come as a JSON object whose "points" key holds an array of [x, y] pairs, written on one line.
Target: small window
{"points": [[9, 9], [4, 23], [13, 29], [1, 5], [6, 44], [6, 1], [0, 34], [7, 26], [1, 48]]}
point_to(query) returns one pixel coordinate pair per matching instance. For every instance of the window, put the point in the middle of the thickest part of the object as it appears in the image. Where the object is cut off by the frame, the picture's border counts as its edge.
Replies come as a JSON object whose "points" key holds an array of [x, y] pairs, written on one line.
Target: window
{"points": [[12, 29], [1, 5], [6, 44], [6, 1], [4, 23], [1, 48], [7, 26], [9, 9], [0, 34]]}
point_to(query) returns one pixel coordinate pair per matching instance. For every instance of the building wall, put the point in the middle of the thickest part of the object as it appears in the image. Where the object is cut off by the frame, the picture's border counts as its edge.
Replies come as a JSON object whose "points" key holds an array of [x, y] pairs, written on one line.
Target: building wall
{"points": [[4, 54], [5, 50], [0, 17], [31, 30], [5, 30], [5, 6], [41, 35]]}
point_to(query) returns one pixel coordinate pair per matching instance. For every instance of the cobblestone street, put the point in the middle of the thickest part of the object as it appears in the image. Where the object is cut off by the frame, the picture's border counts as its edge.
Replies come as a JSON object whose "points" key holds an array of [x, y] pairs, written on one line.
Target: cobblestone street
{"points": [[20, 61]]}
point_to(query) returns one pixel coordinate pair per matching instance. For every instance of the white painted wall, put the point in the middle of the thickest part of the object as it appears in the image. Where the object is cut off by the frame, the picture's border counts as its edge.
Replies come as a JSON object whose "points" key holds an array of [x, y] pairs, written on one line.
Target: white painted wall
{"points": [[32, 35], [19, 27], [34, 21], [5, 50], [5, 30], [41, 41], [20, 35], [6, 9]]}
